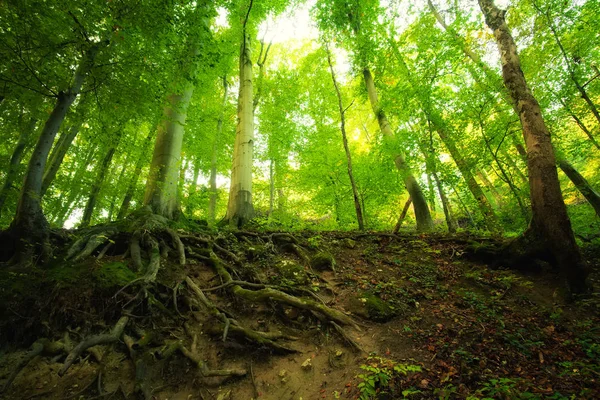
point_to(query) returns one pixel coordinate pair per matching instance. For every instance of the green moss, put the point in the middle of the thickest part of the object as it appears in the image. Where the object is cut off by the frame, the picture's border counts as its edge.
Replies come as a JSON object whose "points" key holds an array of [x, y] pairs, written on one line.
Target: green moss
{"points": [[66, 274], [323, 261], [114, 274], [349, 243], [292, 273], [255, 252], [377, 309]]}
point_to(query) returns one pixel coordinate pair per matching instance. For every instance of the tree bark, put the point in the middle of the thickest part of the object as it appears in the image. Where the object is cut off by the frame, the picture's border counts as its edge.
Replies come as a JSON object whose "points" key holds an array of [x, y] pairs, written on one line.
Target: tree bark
{"points": [[239, 208], [581, 184], [486, 209], [96, 186], [15, 160], [57, 156], [134, 179], [402, 215], [450, 220], [422, 215], [212, 201], [550, 224], [30, 227], [357, 207]]}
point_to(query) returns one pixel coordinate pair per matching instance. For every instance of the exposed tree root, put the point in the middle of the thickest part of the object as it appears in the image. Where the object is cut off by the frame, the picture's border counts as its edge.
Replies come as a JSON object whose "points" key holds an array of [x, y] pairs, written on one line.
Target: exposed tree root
{"points": [[41, 346], [268, 294], [105, 338]]}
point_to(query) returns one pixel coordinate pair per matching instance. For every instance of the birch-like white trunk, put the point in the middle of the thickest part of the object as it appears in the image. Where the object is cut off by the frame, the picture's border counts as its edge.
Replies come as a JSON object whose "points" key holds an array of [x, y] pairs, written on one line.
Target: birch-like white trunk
{"points": [[239, 208]]}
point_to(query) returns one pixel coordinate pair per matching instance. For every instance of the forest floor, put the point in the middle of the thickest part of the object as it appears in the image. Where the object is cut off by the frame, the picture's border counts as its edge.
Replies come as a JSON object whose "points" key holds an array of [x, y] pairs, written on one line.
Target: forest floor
{"points": [[432, 322]]}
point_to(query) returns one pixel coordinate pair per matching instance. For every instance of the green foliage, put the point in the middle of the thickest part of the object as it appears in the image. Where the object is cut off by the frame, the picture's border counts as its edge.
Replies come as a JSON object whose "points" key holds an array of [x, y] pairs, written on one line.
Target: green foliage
{"points": [[379, 372]]}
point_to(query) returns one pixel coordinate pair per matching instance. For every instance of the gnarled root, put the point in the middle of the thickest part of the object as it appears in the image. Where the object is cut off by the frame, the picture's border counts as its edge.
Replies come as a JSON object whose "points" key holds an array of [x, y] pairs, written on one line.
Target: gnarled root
{"points": [[105, 338], [268, 293], [228, 324]]}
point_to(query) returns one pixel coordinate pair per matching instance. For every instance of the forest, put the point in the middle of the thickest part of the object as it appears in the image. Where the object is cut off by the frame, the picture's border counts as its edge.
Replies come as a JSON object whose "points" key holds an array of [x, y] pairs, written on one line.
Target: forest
{"points": [[299, 199]]}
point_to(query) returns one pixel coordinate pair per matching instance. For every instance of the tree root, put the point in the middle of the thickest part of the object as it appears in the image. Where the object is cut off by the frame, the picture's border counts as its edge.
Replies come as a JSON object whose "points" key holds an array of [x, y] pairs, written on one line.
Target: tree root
{"points": [[228, 324], [267, 294], [105, 338], [40, 346]]}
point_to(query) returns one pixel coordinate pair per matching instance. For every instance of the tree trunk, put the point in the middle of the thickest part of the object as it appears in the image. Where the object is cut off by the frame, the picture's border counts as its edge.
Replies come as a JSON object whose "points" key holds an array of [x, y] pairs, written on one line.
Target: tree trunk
{"points": [[357, 207], [490, 219], [162, 184], [271, 186], [581, 184], [57, 155], [97, 185], [550, 223], [240, 208], [212, 202], [15, 160], [134, 179], [402, 215], [450, 220], [30, 227], [422, 215], [488, 184]]}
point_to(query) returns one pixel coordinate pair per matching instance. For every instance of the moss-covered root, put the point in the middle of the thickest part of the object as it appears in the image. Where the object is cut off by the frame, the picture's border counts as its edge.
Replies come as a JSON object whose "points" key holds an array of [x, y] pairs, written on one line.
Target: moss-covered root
{"points": [[204, 370], [268, 294], [229, 325], [105, 338], [86, 245]]}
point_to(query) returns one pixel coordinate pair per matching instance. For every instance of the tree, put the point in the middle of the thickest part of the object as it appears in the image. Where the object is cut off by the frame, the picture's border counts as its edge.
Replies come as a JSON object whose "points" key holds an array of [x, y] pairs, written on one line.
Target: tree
{"points": [[550, 226]]}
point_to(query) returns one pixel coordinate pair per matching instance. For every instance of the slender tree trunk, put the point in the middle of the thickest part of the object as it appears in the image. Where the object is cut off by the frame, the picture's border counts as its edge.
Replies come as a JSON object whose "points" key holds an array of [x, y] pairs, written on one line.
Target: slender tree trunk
{"points": [[450, 220], [96, 186], [579, 123], [57, 156], [550, 224], [431, 192], [271, 187], [118, 182], [488, 184], [516, 168], [581, 183], [30, 227], [423, 217], [578, 85], [464, 206], [280, 200], [486, 209], [359, 216], [134, 179], [240, 208], [402, 215], [15, 160], [212, 202]]}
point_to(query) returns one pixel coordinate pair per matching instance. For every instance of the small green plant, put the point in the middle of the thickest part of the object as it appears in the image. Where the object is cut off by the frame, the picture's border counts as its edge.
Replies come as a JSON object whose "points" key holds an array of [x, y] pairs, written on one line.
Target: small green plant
{"points": [[378, 374]]}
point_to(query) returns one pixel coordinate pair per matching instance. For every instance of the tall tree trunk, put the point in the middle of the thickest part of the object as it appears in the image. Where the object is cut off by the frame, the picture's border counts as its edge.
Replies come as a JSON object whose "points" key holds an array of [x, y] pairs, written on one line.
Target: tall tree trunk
{"points": [[30, 227], [212, 201], [486, 209], [450, 220], [488, 184], [431, 193], [15, 160], [96, 186], [402, 215], [118, 182], [422, 215], [134, 179], [240, 208], [580, 88], [271, 186], [463, 206], [162, 184], [58, 154], [550, 224], [342, 110], [581, 183]]}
